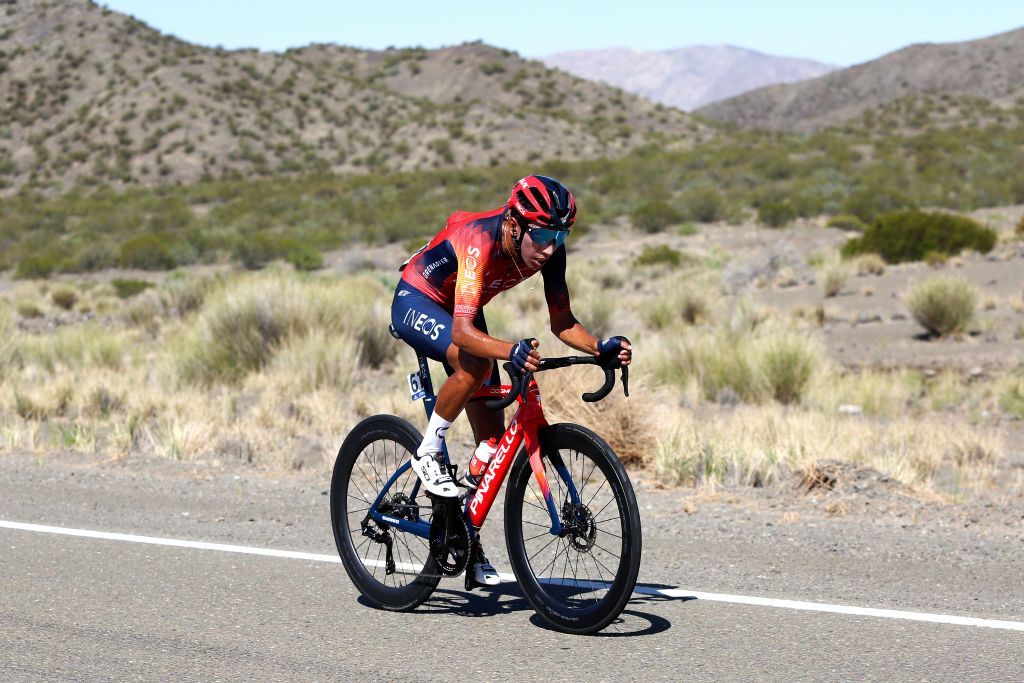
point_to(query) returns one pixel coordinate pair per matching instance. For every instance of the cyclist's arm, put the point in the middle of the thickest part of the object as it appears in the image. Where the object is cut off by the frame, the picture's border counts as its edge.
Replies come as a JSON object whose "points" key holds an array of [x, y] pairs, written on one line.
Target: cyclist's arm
{"points": [[471, 340], [473, 255], [564, 324]]}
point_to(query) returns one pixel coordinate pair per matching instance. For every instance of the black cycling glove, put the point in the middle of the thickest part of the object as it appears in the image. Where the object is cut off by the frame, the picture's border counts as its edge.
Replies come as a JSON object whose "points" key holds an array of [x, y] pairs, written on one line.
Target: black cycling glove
{"points": [[608, 349], [520, 353]]}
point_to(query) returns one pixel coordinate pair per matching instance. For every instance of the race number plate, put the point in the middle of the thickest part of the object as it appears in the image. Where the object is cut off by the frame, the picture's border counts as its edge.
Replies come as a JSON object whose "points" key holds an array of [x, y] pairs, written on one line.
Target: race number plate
{"points": [[416, 390]]}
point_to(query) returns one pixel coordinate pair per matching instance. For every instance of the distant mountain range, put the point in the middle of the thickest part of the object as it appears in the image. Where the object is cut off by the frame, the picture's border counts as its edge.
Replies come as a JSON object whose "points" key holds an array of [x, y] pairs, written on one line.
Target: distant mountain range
{"points": [[990, 68], [688, 77], [90, 96]]}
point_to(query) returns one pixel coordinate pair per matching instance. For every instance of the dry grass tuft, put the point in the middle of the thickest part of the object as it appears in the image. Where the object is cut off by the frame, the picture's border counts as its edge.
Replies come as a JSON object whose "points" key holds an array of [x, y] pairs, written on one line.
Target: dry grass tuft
{"points": [[626, 424], [943, 305], [869, 264]]}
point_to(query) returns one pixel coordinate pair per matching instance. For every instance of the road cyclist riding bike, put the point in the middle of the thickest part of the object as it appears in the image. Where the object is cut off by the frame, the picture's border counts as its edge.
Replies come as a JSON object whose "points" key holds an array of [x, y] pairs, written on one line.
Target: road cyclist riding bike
{"points": [[438, 309], [572, 525]]}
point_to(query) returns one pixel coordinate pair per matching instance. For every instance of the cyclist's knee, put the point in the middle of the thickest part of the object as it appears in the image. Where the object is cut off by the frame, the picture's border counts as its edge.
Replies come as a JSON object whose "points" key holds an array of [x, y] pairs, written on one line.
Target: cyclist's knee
{"points": [[473, 367]]}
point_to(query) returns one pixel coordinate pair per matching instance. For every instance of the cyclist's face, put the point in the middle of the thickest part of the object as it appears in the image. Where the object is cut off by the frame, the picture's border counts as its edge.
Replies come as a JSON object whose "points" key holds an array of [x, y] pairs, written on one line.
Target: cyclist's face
{"points": [[536, 255]]}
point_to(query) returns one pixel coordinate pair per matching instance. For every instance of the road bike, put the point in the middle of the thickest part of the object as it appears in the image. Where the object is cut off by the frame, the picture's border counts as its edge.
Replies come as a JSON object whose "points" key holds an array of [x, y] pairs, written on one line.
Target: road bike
{"points": [[572, 527]]}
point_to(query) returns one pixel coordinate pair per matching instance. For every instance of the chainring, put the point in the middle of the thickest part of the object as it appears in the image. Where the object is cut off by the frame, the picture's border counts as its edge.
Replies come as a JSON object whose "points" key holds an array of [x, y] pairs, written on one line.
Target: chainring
{"points": [[449, 538]]}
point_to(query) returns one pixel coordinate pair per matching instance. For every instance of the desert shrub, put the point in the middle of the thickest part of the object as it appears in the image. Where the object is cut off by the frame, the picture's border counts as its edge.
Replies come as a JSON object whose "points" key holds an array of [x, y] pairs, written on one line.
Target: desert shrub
{"points": [[27, 309], [934, 259], [833, 277], [245, 324], [64, 297], [305, 257], [1019, 231], [654, 216], [943, 305], [148, 252], [869, 264], [129, 287], [908, 235], [679, 303], [868, 203], [90, 345], [785, 362], [656, 255], [37, 266], [703, 204], [1011, 395], [776, 214], [846, 221]]}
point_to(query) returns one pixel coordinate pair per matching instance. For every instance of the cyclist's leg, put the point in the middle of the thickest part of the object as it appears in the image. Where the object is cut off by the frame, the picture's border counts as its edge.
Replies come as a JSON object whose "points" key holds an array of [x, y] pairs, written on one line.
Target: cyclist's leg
{"points": [[424, 325], [486, 423]]}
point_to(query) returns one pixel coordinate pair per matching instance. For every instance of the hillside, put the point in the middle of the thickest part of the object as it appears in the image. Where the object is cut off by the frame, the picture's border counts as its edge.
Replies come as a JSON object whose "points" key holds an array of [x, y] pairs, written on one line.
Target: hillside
{"points": [[991, 68], [688, 77], [91, 96]]}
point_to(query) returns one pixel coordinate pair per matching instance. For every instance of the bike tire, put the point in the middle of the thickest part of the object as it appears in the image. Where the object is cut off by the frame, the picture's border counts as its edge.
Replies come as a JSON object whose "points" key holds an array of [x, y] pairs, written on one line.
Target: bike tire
{"points": [[574, 604], [390, 440]]}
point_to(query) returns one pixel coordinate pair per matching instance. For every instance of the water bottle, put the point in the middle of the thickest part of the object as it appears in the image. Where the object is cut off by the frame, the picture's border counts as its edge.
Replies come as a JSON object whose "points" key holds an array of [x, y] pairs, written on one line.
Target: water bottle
{"points": [[478, 463]]}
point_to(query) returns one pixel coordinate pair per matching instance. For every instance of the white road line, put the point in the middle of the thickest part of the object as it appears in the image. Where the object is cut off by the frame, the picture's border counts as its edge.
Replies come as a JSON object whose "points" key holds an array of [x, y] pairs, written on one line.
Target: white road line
{"points": [[677, 593]]}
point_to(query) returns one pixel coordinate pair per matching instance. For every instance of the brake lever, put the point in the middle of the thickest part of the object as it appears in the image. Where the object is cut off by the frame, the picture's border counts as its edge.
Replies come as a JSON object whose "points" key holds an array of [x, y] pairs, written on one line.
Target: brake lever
{"points": [[625, 380]]}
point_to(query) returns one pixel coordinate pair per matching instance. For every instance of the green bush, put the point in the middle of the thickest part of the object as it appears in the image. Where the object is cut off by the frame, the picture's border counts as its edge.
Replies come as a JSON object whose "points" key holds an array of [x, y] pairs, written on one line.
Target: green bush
{"points": [[703, 204], [127, 287], [846, 221], [256, 251], [148, 252], [868, 203], [776, 214], [654, 216], [943, 305], [305, 257], [652, 256], [38, 266], [909, 235]]}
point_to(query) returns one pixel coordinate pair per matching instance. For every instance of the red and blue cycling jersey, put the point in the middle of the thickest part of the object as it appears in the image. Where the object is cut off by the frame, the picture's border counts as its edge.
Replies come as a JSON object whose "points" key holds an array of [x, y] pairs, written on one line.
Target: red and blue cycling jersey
{"points": [[463, 267]]}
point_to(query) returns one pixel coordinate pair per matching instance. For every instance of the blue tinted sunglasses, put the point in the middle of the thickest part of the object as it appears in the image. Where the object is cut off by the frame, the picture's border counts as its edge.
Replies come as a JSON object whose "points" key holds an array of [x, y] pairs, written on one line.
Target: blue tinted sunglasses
{"points": [[543, 236]]}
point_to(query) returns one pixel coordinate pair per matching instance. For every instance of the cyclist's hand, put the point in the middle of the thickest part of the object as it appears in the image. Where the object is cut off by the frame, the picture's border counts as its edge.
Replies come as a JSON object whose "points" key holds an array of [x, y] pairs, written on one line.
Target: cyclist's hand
{"points": [[617, 345], [524, 356]]}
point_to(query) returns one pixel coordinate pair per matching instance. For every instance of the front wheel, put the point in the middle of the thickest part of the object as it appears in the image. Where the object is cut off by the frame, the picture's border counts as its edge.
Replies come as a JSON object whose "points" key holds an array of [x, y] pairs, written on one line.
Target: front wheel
{"points": [[580, 579]]}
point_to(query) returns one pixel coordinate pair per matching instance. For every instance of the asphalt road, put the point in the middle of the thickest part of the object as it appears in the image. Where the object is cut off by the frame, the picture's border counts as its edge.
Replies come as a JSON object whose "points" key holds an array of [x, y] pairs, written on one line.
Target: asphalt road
{"points": [[92, 609]]}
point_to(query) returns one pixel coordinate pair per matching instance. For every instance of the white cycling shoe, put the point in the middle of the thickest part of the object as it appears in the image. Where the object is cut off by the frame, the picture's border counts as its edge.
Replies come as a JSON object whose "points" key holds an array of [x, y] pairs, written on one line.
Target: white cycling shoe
{"points": [[484, 572], [430, 468]]}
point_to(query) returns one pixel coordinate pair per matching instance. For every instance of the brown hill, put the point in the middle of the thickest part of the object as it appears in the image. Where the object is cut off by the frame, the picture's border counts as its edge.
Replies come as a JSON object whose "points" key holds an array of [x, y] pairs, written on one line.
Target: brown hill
{"points": [[89, 96], [991, 68]]}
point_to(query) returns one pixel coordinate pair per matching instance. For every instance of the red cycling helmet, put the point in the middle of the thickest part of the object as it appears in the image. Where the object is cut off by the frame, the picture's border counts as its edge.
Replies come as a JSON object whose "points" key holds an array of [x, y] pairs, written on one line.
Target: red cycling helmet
{"points": [[543, 202]]}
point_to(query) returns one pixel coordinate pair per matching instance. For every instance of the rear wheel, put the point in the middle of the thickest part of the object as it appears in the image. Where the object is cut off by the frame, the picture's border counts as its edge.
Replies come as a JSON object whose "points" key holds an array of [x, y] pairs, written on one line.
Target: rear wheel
{"points": [[371, 454], [581, 579]]}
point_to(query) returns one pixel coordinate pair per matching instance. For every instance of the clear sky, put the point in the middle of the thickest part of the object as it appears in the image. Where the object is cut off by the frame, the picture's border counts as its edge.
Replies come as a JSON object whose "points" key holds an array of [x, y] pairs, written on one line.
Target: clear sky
{"points": [[841, 33]]}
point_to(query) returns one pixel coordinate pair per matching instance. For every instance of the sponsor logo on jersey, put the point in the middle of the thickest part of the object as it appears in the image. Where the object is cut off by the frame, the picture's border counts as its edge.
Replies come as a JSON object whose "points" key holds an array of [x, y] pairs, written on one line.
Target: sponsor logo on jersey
{"points": [[421, 323], [463, 309], [429, 269], [403, 292]]}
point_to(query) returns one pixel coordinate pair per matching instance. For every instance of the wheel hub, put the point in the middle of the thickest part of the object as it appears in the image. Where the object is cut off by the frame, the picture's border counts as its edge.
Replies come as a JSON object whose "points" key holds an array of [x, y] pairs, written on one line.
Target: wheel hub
{"points": [[579, 524]]}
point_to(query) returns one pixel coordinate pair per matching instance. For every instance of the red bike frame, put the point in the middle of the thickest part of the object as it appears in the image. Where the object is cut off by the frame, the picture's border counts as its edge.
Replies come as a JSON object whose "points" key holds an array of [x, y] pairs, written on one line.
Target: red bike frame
{"points": [[525, 425]]}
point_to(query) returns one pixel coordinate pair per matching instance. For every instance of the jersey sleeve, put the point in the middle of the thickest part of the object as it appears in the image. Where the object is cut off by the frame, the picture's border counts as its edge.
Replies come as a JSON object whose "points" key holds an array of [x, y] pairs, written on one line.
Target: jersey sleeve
{"points": [[556, 292], [473, 252]]}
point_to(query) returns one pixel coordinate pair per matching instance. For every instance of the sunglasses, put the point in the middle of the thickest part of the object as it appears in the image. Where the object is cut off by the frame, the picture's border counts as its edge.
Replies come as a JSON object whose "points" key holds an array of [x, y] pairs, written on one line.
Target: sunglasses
{"points": [[544, 236]]}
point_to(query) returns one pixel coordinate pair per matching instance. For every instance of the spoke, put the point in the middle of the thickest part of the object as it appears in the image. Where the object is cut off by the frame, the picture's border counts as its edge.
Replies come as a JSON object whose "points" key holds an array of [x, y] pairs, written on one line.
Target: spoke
{"points": [[546, 533], [546, 545], [598, 545], [599, 489], [603, 507], [543, 526]]}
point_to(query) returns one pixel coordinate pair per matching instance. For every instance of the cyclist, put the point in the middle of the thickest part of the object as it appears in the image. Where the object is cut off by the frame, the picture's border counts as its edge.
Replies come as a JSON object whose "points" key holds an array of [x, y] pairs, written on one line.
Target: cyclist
{"points": [[438, 310]]}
